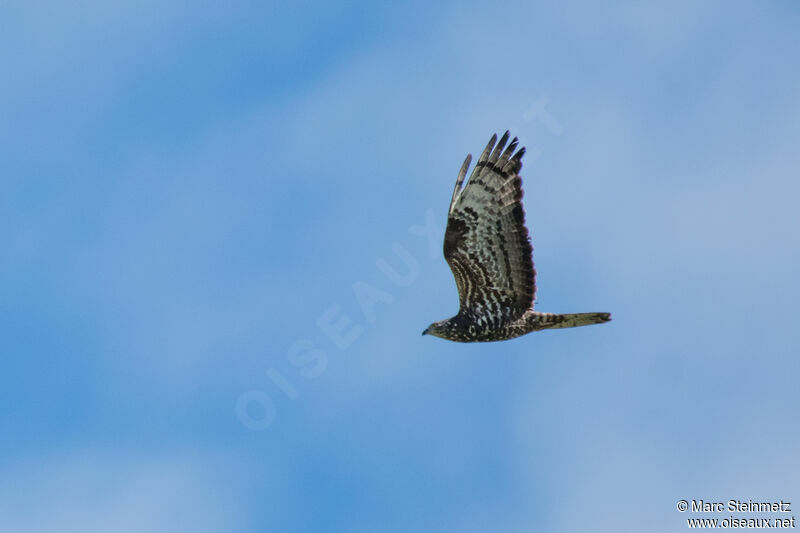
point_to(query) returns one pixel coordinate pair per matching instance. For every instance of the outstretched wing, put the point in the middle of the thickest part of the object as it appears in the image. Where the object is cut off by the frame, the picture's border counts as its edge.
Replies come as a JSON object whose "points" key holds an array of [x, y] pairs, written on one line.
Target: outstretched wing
{"points": [[486, 243]]}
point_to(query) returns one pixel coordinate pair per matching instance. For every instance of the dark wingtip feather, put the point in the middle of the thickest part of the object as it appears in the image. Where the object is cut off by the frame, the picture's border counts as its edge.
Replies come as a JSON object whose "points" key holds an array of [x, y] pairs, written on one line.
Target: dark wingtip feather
{"points": [[511, 148], [499, 148], [488, 149], [505, 137]]}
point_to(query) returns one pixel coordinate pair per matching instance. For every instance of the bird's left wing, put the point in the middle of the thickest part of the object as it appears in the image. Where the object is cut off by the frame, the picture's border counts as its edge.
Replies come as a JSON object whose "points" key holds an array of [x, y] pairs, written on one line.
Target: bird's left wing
{"points": [[486, 243]]}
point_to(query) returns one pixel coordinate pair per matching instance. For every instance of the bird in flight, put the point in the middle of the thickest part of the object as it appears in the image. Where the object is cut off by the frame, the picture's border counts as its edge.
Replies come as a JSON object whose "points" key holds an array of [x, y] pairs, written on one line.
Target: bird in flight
{"points": [[488, 249]]}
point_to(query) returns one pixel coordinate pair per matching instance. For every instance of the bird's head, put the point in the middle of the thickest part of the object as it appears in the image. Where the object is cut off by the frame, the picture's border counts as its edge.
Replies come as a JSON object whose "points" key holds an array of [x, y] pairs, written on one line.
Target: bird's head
{"points": [[438, 329]]}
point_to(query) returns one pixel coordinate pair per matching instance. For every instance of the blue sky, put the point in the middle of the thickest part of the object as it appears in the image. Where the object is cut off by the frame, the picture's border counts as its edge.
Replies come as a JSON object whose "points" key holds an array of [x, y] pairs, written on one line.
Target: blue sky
{"points": [[189, 189]]}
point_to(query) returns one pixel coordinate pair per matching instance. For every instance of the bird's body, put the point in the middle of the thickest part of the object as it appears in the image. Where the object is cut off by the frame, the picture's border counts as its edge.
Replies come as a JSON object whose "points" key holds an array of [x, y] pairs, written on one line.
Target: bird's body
{"points": [[488, 249], [461, 328]]}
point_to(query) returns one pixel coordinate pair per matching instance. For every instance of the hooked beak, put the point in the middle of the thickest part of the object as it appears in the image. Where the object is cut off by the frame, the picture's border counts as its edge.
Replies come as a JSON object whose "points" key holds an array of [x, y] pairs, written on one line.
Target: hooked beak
{"points": [[426, 331]]}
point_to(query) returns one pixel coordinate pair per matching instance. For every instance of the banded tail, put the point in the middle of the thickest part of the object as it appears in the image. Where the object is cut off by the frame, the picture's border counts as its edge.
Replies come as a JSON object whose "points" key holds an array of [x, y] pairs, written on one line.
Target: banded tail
{"points": [[537, 321]]}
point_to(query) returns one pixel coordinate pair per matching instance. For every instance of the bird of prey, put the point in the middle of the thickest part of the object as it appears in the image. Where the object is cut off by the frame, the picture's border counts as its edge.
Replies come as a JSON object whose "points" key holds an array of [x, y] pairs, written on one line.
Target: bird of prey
{"points": [[488, 249]]}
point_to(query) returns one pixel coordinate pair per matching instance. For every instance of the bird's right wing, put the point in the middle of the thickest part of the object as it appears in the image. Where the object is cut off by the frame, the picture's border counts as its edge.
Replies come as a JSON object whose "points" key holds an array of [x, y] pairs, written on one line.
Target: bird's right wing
{"points": [[486, 243]]}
